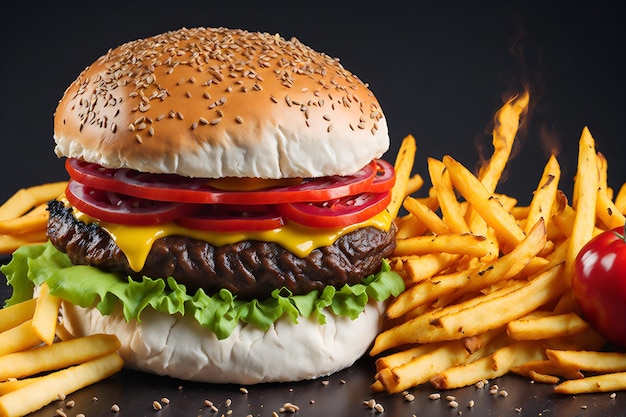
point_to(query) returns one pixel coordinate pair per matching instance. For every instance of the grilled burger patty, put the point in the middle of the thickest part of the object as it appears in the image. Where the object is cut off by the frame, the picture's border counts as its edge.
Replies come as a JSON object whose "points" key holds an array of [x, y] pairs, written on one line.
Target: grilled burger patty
{"points": [[250, 269]]}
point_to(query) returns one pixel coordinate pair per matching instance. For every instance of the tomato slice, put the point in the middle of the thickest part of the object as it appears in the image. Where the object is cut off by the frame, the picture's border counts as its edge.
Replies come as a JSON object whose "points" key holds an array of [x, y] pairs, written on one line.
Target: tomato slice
{"points": [[337, 213], [229, 218], [385, 177], [170, 187], [118, 208]]}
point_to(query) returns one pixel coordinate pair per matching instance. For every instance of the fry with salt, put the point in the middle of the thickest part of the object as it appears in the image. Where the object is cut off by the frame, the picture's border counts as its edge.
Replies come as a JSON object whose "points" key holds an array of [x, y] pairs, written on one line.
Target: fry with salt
{"points": [[46, 389]]}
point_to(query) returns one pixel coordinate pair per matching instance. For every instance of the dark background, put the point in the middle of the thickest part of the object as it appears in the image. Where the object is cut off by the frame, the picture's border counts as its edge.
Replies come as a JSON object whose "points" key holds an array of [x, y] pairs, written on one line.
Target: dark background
{"points": [[440, 71]]}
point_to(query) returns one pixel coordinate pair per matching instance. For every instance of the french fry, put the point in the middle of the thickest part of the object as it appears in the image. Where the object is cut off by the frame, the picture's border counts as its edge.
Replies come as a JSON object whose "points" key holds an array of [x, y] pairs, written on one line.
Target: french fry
{"points": [[56, 356], [403, 166], [546, 327], [484, 203], [16, 314], [414, 184], [20, 337], [424, 214], [9, 243], [45, 390], [448, 203], [599, 383], [588, 360], [607, 211], [545, 194], [585, 196], [15, 384], [25, 199], [468, 244], [420, 268], [497, 364], [546, 367], [34, 220], [46, 315]]}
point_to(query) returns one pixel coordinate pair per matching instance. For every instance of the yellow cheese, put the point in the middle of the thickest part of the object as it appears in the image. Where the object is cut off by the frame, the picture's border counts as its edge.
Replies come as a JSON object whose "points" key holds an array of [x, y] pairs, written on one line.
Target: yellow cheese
{"points": [[136, 241]]}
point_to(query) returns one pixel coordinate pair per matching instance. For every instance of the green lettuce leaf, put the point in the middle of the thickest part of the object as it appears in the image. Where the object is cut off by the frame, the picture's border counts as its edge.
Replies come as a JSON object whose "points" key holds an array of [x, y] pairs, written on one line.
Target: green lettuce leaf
{"points": [[88, 286]]}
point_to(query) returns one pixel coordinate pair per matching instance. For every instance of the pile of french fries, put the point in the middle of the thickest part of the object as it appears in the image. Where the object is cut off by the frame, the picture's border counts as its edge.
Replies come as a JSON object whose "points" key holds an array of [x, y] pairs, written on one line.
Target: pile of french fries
{"points": [[41, 363], [488, 280], [23, 217]]}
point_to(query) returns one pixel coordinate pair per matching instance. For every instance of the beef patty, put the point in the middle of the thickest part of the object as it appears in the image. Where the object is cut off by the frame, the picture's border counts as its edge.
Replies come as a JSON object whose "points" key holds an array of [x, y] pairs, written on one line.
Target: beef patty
{"points": [[250, 269]]}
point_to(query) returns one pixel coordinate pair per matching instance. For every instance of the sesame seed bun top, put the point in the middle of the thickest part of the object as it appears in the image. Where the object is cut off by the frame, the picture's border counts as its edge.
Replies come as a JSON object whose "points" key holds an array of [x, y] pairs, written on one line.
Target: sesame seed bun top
{"points": [[216, 102]]}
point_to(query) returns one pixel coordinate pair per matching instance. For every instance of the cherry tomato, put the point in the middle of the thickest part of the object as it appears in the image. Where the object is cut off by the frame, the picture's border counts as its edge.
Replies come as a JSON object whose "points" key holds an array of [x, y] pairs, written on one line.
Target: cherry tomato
{"points": [[170, 187], [337, 213], [227, 218], [599, 283], [121, 209]]}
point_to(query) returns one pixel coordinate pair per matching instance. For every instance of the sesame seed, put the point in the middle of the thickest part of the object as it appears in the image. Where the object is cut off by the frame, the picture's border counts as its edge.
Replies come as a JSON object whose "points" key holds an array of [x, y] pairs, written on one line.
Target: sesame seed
{"points": [[115, 408], [156, 405], [239, 120], [138, 138], [216, 120]]}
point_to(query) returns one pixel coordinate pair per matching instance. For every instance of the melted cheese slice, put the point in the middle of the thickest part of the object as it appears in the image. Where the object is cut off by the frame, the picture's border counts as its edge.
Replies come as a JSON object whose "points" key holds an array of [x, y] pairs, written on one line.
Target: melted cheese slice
{"points": [[136, 241]]}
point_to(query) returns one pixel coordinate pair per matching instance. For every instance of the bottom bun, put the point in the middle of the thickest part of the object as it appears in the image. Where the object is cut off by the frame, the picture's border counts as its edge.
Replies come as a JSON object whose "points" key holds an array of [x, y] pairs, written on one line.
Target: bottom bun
{"points": [[179, 347]]}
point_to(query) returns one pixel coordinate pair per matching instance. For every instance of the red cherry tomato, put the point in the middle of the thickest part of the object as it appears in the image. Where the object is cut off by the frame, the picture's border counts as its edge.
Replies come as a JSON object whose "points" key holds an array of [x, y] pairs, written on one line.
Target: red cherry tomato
{"points": [[121, 209], [336, 213], [227, 218], [599, 283]]}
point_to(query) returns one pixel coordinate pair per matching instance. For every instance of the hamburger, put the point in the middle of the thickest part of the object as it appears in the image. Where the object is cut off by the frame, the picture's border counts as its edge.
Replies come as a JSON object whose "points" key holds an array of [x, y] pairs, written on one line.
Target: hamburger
{"points": [[225, 214]]}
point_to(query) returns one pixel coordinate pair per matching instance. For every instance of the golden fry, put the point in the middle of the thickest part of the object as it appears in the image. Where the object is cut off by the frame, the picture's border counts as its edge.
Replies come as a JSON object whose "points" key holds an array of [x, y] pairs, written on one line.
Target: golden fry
{"points": [[56, 356], [599, 383], [476, 246], [20, 337], [546, 367], [420, 268], [46, 315], [589, 360], [16, 314], [607, 212], [403, 167], [545, 194], [46, 389], [585, 196], [448, 203], [484, 203], [26, 198], [9, 243], [35, 220], [424, 214], [546, 327]]}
